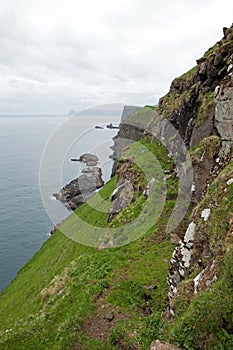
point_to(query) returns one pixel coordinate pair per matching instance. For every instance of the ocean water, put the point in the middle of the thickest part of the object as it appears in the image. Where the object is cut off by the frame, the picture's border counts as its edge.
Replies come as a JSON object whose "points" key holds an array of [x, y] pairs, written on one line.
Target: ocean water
{"points": [[24, 222]]}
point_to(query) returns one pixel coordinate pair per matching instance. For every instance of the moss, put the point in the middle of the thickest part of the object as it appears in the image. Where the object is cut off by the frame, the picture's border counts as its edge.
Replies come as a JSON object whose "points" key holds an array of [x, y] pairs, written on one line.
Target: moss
{"points": [[210, 145], [211, 51], [206, 105], [173, 102], [189, 75], [153, 108]]}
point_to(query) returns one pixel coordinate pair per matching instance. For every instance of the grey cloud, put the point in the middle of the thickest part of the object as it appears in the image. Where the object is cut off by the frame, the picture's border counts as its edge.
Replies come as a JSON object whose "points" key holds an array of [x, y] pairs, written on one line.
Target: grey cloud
{"points": [[57, 56]]}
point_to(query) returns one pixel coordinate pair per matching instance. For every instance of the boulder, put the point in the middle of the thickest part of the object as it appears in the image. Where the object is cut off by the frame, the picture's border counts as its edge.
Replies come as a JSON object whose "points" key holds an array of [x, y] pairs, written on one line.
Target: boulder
{"points": [[80, 189], [88, 157]]}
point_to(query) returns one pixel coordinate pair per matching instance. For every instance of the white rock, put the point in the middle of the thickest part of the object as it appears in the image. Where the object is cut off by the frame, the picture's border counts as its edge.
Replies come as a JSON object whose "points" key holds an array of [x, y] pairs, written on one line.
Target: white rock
{"points": [[189, 245], [189, 235], [230, 181], [205, 214], [197, 280], [216, 90], [186, 256]]}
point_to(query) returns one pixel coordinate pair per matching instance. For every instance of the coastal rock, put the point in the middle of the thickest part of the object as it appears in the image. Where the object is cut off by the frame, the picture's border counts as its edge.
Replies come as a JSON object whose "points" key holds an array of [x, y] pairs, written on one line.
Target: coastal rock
{"points": [[80, 189], [88, 157]]}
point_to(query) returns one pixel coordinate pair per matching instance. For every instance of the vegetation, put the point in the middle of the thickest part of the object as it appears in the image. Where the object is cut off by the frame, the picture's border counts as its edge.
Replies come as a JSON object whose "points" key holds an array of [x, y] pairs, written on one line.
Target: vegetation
{"points": [[206, 104], [57, 296], [204, 321]]}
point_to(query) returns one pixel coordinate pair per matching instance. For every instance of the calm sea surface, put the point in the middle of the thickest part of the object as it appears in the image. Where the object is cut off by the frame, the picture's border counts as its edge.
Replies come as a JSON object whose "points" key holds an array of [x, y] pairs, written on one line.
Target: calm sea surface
{"points": [[24, 223]]}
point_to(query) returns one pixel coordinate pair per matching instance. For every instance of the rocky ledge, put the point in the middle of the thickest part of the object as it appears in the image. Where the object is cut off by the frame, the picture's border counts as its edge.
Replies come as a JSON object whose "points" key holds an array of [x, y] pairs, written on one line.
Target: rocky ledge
{"points": [[83, 187], [87, 158]]}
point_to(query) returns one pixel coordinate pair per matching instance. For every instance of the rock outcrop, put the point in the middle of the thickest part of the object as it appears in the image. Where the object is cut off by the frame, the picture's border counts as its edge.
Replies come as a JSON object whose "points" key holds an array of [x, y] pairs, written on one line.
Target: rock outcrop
{"points": [[196, 251], [200, 106], [87, 158], [83, 187], [189, 104]]}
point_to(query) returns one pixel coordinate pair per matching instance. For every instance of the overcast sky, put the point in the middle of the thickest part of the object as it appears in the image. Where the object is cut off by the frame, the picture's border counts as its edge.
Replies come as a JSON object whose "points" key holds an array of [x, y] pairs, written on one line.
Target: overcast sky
{"points": [[61, 55]]}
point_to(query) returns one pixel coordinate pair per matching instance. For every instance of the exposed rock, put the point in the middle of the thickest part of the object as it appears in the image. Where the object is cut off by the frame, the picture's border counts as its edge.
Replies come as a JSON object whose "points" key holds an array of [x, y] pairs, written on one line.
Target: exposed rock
{"points": [[80, 189], [111, 126], [204, 163], [110, 317], [121, 198], [91, 164], [149, 188], [92, 170], [180, 263], [88, 157], [230, 181], [205, 214], [190, 106], [55, 228], [127, 110], [158, 345], [224, 113], [206, 277]]}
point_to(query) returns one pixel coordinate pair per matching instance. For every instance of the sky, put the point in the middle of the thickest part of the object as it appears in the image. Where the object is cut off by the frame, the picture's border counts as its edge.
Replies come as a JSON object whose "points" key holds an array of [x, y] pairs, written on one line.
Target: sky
{"points": [[56, 56]]}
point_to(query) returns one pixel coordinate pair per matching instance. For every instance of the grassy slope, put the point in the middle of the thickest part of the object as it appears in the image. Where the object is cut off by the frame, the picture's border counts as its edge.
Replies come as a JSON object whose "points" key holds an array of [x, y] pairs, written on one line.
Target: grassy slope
{"points": [[65, 284]]}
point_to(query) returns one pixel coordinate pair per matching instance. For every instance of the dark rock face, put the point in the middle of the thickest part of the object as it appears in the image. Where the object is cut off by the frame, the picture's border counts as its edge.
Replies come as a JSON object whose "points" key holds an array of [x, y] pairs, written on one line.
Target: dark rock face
{"points": [[121, 198], [182, 104], [80, 189], [224, 110], [195, 251]]}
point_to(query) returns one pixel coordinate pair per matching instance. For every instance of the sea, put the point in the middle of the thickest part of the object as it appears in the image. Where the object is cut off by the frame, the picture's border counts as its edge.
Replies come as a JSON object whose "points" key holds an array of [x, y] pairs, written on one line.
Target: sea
{"points": [[26, 144]]}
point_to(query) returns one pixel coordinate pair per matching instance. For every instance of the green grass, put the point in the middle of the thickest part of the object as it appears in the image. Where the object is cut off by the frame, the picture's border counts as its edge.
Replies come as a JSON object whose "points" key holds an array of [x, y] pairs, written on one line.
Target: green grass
{"points": [[206, 104], [53, 294], [67, 283]]}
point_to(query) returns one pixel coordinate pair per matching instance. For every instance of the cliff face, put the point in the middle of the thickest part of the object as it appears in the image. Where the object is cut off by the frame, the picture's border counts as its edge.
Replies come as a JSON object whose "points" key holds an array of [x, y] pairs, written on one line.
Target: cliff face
{"points": [[190, 104], [71, 296], [200, 106]]}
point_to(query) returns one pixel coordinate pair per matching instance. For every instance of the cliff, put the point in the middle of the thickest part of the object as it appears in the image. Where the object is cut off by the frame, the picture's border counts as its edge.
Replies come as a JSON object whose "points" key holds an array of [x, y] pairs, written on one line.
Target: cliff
{"points": [[165, 281]]}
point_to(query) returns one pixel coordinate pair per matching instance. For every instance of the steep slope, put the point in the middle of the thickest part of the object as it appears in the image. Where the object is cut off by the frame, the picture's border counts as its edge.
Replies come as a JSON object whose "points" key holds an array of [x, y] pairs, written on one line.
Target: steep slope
{"points": [[63, 298], [70, 296]]}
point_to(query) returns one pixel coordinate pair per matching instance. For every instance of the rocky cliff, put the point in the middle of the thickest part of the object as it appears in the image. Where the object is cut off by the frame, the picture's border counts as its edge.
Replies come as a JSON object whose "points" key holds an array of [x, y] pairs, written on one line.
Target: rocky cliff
{"points": [[159, 288], [199, 105]]}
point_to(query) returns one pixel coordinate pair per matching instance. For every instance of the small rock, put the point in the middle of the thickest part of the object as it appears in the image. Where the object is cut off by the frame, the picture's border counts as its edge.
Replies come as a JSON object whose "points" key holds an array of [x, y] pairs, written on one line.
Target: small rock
{"points": [[110, 317], [230, 181], [205, 214]]}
